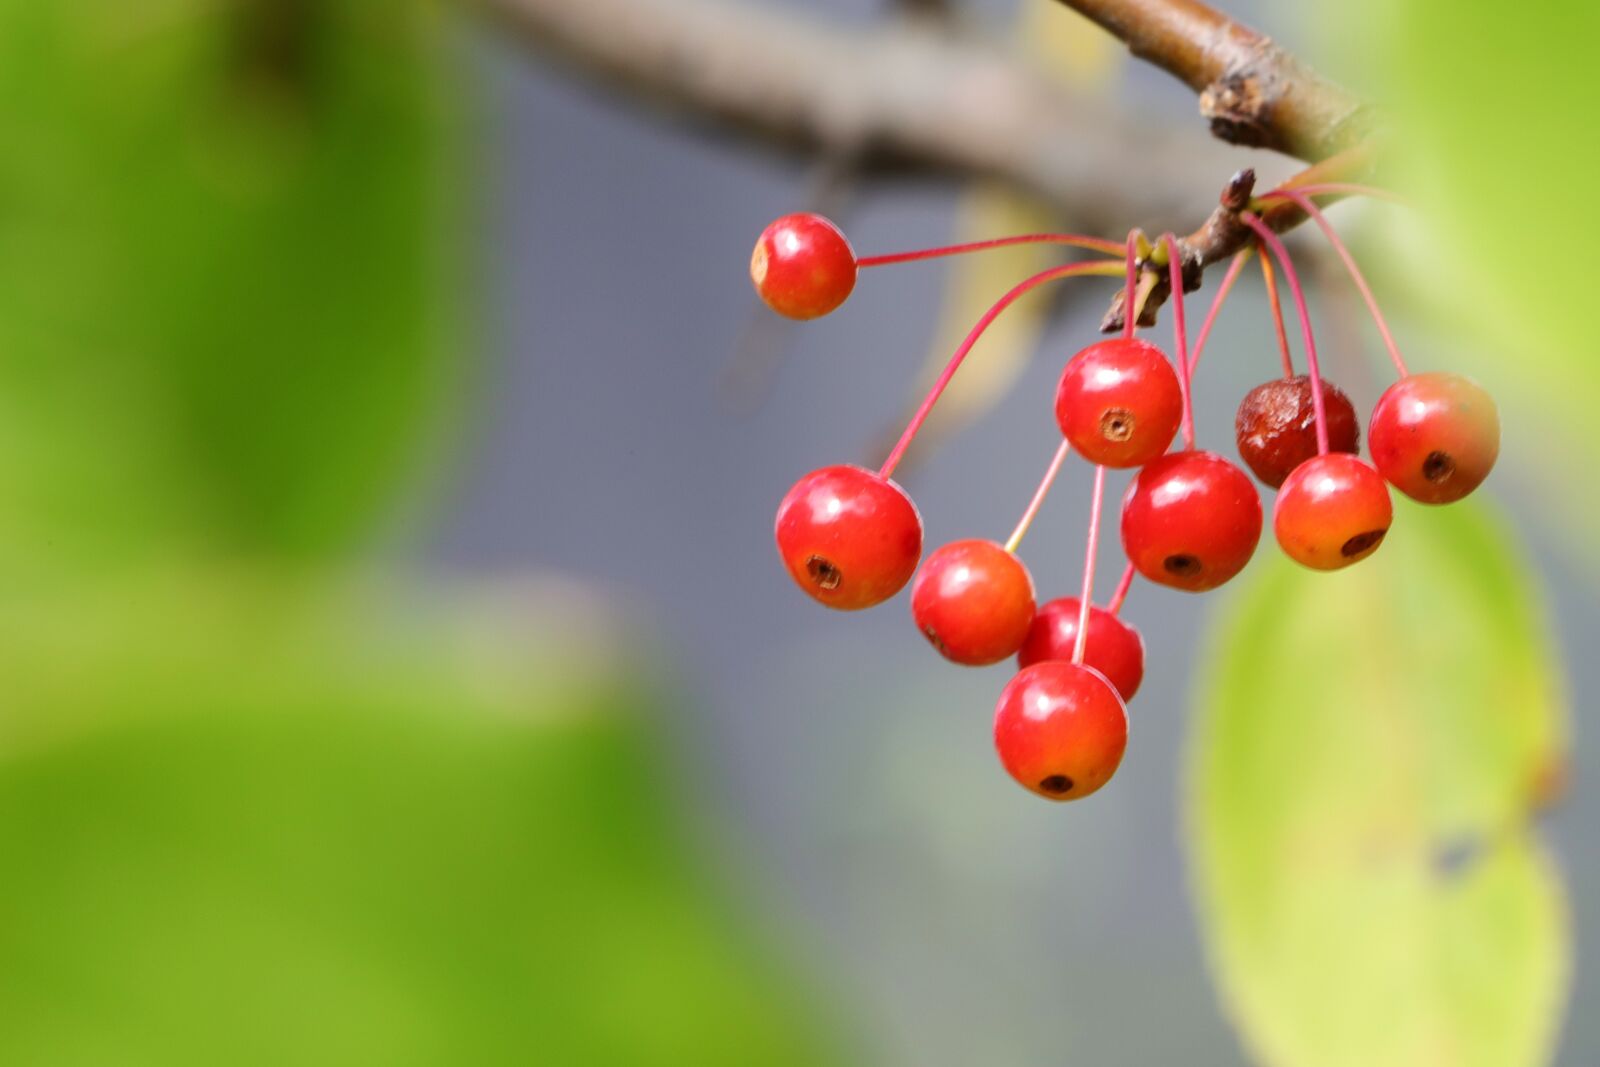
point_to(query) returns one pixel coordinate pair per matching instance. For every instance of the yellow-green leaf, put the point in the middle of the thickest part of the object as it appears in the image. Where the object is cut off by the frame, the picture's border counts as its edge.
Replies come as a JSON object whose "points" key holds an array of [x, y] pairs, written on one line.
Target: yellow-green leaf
{"points": [[1370, 752]]}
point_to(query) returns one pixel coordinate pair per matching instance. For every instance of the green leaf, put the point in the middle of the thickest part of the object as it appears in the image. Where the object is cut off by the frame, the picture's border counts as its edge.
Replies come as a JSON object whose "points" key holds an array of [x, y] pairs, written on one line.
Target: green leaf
{"points": [[246, 826], [1370, 751], [222, 308]]}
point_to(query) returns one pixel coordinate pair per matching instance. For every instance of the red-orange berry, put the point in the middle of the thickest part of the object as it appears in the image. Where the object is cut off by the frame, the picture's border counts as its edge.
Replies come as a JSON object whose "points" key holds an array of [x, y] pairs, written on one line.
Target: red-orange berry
{"points": [[1119, 402], [802, 266], [1190, 520], [849, 538], [1435, 436], [1060, 729], [973, 601], [1332, 511], [1113, 647]]}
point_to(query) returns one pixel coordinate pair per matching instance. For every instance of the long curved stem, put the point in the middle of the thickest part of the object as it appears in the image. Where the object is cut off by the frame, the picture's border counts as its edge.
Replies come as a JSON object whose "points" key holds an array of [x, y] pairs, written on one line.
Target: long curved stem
{"points": [[1271, 240], [1180, 337], [1088, 564], [1075, 240], [1269, 278], [1311, 209], [1130, 300], [1217, 301], [1332, 189], [1039, 494], [1107, 268], [1123, 586]]}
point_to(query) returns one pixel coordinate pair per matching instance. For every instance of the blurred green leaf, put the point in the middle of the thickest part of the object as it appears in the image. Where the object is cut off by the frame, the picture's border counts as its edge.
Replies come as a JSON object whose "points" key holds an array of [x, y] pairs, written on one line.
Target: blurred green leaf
{"points": [[1371, 749], [240, 829], [222, 298]]}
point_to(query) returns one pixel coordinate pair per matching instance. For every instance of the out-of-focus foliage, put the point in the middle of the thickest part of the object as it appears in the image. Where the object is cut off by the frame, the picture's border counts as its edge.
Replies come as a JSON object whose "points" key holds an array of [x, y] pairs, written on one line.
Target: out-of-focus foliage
{"points": [[256, 811], [1370, 753], [243, 828], [1494, 110], [221, 285]]}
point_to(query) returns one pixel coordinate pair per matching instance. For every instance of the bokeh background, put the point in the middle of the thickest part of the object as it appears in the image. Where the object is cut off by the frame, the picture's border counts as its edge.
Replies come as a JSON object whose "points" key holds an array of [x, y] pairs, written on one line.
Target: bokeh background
{"points": [[395, 664]]}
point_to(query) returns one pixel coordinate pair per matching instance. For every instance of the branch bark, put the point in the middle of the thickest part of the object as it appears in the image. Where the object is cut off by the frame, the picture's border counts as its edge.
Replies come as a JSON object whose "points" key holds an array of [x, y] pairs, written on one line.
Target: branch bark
{"points": [[900, 95], [1251, 91]]}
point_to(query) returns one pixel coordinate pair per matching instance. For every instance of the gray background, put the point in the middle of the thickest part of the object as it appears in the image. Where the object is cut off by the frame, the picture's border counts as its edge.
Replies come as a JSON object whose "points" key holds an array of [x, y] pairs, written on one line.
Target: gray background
{"points": [[849, 775]]}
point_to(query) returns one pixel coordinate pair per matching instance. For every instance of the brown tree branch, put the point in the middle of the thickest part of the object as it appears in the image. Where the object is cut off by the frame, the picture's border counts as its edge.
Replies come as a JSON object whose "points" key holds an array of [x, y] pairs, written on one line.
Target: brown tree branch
{"points": [[898, 95], [1251, 91]]}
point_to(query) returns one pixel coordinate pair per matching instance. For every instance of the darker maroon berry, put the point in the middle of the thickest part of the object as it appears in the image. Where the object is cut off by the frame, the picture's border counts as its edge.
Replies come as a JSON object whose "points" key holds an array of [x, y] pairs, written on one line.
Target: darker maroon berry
{"points": [[973, 601], [1190, 520], [1060, 729], [849, 538], [1276, 426], [802, 266], [1114, 648], [1435, 436], [1119, 402]]}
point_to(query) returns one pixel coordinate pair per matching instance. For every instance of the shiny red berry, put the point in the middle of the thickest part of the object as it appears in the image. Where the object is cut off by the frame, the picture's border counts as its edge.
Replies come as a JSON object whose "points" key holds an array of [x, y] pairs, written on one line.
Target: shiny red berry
{"points": [[1114, 648], [849, 538], [973, 601], [802, 266], [1435, 436], [1119, 402], [1277, 431], [1332, 511], [1190, 520], [1060, 729]]}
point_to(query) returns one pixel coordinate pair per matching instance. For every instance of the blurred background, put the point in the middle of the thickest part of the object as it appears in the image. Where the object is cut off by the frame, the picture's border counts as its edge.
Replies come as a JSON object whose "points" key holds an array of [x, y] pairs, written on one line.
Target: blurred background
{"points": [[394, 662]]}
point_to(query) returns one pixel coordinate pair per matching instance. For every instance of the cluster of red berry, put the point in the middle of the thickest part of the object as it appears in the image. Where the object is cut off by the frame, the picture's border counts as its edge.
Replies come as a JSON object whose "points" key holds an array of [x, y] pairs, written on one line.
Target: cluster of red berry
{"points": [[851, 537]]}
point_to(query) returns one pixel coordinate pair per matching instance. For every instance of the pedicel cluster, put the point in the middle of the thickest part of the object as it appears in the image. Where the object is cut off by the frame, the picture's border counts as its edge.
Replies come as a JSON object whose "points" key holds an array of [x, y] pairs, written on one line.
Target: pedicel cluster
{"points": [[1191, 519]]}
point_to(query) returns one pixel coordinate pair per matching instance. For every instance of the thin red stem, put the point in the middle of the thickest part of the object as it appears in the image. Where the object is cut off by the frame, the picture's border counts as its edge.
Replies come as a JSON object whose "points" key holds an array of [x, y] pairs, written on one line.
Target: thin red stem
{"points": [[1270, 239], [1269, 277], [1333, 189], [1123, 586], [1076, 240], [1130, 299], [1066, 270], [1088, 564], [1305, 204], [1038, 496], [1216, 305], [1180, 336]]}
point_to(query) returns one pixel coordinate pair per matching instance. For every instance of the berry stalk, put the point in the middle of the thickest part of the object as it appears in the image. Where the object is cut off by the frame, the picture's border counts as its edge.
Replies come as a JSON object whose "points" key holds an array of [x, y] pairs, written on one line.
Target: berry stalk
{"points": [[1039, 494], [1130, 299], [1180, 337], [1088, 564], [1216, 306], [1303, 201], [1269, 278], [1271, 240], [1332, 189], [1123, 586], [1105, 268], [1075, 240]]}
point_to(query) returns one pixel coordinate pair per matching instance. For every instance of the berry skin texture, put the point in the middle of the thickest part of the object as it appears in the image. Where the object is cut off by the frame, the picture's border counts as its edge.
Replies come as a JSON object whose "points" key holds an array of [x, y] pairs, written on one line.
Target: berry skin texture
{"points": [[1060, 729], [802, 266], [1276, 427], [849, 538], [974, 602], [1114, 648], [1190, 521], [1119, 402], [1334, 510], [1435, 436]]}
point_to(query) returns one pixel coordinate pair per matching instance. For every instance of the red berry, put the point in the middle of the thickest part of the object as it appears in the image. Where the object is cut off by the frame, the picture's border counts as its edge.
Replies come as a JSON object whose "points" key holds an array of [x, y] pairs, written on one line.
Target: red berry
{"points": [[1114, 648], [974, 601], [1190, 520], [1119, 402], [1435, 436], [849, 538], [1060, 729], [1277, 431], [1332, 511], [802, 266]]}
